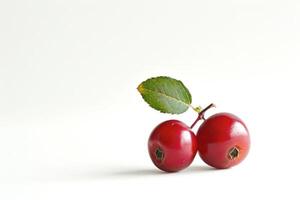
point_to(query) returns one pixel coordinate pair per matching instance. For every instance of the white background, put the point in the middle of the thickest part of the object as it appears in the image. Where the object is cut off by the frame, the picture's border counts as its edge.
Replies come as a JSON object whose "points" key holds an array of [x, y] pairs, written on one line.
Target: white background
{"points": [[73, 126]]}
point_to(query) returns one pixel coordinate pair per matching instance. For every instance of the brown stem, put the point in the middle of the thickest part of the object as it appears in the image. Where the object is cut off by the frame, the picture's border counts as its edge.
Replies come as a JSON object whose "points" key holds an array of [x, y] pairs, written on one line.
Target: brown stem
{"points": [[201, 114]]}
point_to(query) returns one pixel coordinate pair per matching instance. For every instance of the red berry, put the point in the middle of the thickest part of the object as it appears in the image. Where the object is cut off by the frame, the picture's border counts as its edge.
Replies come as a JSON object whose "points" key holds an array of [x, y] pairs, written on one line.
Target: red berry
{"points": [[223, 140], [172, 146]]}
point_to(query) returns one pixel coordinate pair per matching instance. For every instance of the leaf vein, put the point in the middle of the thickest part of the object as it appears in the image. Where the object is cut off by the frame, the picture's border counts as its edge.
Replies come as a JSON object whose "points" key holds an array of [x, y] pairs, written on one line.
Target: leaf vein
{"points": [[170, 97]]}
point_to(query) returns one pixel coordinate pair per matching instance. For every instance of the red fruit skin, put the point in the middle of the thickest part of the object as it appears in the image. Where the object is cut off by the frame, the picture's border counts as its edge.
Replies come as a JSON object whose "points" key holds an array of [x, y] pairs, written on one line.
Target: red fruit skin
{"points": [[217, 135], [177, 142]]}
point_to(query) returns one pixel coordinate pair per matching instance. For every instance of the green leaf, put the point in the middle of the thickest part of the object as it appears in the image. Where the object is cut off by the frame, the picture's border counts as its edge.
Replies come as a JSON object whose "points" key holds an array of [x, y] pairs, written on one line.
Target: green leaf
{"points": [[166, 94]]}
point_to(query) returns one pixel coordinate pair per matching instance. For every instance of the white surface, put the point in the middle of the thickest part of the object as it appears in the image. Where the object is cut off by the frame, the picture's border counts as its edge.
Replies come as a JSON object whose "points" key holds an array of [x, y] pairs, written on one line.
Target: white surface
{"points": [[72, 125]]}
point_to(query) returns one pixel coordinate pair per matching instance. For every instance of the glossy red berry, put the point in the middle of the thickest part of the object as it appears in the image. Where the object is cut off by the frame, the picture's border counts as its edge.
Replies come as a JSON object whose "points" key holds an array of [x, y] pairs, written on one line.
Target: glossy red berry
{"points": [[223, 140], [172, 146]]}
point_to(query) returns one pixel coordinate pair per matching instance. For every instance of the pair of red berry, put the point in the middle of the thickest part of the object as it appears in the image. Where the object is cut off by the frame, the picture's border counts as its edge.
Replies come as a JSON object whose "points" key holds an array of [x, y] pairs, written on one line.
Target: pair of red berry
{"points": [[222, 141]]}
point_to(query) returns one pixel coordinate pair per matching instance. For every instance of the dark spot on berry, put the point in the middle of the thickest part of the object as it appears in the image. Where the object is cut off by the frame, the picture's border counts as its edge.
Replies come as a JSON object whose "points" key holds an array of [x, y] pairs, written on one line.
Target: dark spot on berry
{"points": [[233, 153], [159, 154]]}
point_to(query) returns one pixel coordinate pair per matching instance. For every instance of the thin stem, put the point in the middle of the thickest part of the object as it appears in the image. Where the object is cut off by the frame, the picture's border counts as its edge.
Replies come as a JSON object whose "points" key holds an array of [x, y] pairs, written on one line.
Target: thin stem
{"points": [[195, 122], [208, 107], [201, 114]]}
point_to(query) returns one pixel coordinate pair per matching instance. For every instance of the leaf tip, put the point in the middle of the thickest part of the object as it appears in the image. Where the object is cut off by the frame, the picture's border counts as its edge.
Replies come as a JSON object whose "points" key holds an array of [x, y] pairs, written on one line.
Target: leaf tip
{"points": [[140, 88]]}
